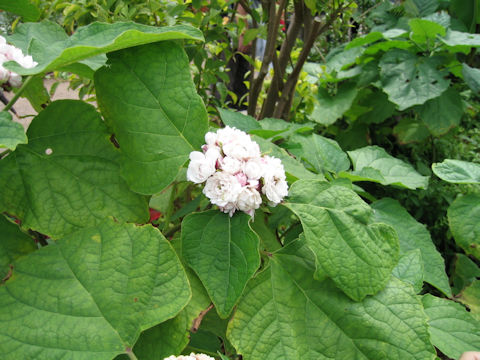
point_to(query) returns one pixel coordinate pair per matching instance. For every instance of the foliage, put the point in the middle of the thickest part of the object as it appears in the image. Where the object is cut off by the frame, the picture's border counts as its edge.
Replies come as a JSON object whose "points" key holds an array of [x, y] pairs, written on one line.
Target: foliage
{"points": [[339, 270]]}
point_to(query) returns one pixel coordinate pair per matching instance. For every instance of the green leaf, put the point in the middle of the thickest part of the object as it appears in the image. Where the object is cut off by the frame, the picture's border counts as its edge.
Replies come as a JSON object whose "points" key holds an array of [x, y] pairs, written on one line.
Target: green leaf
{"points": [[286, 314], [471, 77], [148, 96], [68, 176], [324, 154], [238, 120], [329, 109], [421, 7], [457, 171], [410, 269], [293, 168], [409, 79], [372, 163], [96, 290], [425, 31], [276, 129], [172, 336], [357, 254], [367, 39], [458, 38], [463, 215], [465, 11], [36, 93], [13, 244], [223, 252], [442, 113], [470, 296], [466, 271], [453, 330], [11, 133], [412, 236], [52, 49], [410, 130], [379, 108], [24, 8]]}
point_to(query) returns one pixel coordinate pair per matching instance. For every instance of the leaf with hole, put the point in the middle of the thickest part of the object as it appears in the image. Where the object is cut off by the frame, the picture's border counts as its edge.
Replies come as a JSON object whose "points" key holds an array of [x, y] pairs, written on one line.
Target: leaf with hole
{"points": [[68, 176]]}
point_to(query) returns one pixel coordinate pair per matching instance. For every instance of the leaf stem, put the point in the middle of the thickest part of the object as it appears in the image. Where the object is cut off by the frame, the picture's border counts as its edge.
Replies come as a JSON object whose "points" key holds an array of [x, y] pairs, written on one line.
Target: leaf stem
{"points": [[130, 354], [18, 93]]}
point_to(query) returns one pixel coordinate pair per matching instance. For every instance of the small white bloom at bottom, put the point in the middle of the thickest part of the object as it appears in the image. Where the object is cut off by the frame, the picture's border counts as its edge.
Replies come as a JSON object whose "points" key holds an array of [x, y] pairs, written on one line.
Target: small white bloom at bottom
{"points": [[192, 356]]}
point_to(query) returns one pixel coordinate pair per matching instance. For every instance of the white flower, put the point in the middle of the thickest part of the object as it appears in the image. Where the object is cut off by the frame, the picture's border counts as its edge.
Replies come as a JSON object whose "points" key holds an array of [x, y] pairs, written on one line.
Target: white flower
{"points": [[275, 189], [231, 165], [200, 167], [249, 200], [222, 188], [254, 168], [273, 167], [210, 138], [192, 356], [11, 53]]}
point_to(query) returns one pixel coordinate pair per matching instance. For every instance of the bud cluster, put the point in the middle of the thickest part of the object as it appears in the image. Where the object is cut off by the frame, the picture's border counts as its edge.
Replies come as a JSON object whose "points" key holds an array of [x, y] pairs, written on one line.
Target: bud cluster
{"points": [[11, 53], [235, 173]]}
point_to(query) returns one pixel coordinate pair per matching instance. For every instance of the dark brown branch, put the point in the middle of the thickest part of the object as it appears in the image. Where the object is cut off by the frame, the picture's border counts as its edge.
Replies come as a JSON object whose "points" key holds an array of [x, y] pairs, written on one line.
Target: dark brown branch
{"points": [[284, 104], [285, 50], [272, 33]]}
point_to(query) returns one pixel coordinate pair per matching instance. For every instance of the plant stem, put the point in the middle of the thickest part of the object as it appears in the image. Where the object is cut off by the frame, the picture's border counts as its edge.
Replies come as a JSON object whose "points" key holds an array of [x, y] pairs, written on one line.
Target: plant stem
{"points": [[130, 354], [18, 94], [170, 208]]}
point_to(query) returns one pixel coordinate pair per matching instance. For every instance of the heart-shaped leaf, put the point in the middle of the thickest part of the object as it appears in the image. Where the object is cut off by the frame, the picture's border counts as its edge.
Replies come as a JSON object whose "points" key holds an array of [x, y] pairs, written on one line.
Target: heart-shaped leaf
{"points": [[148, 96], [68, 176], [91, 294], [357, 254], [223, 252]]}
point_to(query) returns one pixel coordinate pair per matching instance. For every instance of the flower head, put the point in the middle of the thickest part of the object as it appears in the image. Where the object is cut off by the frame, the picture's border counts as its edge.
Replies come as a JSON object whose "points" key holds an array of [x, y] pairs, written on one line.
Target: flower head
{"points": [[235, 173], [11, 53]]}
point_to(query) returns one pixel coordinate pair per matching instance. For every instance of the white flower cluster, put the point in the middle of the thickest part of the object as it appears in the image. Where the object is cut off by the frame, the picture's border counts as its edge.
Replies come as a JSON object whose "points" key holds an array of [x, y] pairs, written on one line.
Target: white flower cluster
{"points": [[192, 356], [9, 53], [235, 173]]}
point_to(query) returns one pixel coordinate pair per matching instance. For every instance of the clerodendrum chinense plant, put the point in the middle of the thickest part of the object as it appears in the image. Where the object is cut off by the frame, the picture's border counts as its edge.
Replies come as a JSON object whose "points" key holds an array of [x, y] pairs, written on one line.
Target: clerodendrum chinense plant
{"points": [[344, 283]]}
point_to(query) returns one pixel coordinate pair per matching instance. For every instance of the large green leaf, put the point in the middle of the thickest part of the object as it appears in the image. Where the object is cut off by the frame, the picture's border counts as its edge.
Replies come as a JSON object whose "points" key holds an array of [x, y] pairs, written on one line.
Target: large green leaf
{"points": [[294, 169], [357, 254], [471, 77], [91, 294], [172, 336], [372, 163], [464, 220], [409, 79], [148, 96], [410, 130], [24, 8], [238, 120], [412, 235], [11, 133], [13, 244], [329, 109], [425, 31], [68, 176], [52, 49], [442, 113], [466, 10], [324, 154], [465, 273], [286, 314], [457, 171], [453, 330], [410, 269], [470, 296], [224, 253], [458, 38]]}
